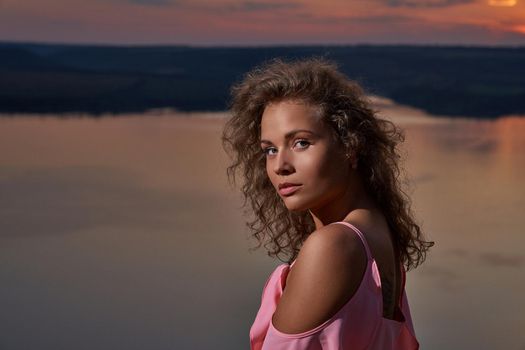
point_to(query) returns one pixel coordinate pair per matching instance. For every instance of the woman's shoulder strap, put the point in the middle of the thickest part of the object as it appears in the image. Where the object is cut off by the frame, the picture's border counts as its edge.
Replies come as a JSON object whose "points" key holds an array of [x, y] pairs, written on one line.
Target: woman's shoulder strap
{"points": [[360, 234]]}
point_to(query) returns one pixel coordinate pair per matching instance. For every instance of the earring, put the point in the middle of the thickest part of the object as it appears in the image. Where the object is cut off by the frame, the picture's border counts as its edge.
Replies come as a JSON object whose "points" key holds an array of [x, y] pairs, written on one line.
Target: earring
{"points": [[352, 160]]}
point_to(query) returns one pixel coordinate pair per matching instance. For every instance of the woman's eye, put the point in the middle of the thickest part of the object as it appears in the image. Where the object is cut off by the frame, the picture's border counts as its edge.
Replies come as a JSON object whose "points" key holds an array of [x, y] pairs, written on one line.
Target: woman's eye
{"points": [[302, 143], [267, 151]]}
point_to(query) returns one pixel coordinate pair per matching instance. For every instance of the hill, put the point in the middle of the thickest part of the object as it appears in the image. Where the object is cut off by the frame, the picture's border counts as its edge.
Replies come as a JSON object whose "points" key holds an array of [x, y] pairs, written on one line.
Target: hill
{"points": [[455, 81]]}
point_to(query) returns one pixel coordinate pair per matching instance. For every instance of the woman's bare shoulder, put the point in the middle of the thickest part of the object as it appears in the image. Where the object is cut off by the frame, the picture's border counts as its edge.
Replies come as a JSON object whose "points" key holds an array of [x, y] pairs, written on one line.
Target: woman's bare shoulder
{"points": [[326, 274]]}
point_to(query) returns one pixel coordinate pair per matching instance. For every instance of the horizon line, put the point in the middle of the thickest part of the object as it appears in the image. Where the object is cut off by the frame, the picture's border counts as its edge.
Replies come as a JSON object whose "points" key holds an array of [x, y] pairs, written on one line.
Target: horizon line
{"points": [[255, 46]]}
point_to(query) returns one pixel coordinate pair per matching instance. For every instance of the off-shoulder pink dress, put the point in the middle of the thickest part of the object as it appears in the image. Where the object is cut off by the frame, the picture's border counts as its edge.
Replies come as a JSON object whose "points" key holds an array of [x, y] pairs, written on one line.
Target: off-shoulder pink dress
{"points": [[359, 324]]}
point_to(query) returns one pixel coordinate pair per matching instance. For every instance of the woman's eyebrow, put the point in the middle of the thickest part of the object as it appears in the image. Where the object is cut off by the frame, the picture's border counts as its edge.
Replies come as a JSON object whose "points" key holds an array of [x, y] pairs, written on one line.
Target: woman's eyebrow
{"points": [[290, 134]]}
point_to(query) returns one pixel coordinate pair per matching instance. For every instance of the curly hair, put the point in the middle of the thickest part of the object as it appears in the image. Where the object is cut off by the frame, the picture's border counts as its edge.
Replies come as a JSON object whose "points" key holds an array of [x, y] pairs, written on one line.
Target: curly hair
{"points": [[346, 109]]}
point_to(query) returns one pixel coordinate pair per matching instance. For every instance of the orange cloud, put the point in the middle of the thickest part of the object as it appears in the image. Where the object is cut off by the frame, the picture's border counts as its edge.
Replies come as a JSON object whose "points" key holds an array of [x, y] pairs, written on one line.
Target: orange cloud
{"points": [[519, 29], [507, 3]]}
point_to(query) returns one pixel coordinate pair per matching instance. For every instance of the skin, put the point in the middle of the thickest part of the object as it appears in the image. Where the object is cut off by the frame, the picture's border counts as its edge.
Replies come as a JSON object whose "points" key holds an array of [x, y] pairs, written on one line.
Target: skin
{"points": [[331, 190]]}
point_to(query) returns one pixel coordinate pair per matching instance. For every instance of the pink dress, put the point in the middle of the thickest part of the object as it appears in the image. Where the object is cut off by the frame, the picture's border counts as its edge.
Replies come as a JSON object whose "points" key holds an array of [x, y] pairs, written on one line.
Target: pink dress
{"points": [[357, 325]]}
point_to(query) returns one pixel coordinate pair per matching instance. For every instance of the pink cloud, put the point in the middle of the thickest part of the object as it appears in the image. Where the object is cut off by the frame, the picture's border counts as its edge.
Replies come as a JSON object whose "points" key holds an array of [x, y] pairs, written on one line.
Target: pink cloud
{"points": [[233, 22]]}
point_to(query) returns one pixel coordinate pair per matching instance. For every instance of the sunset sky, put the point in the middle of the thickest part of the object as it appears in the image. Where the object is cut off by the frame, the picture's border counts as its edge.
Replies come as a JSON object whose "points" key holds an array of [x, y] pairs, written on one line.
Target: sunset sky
{"points": [[249, 23]]}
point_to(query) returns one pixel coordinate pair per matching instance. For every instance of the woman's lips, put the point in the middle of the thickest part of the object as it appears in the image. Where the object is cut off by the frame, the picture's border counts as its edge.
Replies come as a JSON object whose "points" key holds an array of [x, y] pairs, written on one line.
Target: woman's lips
{"points": [[289, 190]]}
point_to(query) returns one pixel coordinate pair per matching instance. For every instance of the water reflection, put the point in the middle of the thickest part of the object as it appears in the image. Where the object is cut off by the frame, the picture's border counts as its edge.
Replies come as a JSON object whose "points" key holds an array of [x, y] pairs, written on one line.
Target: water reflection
{"points": [[503, 260], [123, 233]]}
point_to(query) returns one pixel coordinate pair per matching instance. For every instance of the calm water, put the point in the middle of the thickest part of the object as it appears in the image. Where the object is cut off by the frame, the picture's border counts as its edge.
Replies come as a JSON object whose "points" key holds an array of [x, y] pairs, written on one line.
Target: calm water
{"points": [[121, 233]]}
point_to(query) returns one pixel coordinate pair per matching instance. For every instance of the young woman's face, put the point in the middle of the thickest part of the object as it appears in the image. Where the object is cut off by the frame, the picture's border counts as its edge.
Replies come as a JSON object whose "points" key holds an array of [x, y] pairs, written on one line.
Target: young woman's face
{"points": [[301, 151]]}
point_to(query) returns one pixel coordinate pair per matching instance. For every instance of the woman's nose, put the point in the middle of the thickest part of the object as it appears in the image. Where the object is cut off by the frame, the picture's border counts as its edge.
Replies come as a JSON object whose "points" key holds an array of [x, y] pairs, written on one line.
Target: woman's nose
{"points": [[283, 163]]}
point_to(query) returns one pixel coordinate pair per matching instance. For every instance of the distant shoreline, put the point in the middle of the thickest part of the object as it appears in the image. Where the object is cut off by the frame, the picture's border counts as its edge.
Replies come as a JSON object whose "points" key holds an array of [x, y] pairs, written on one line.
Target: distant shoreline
{"points": [[386, 109], [100, 80]]}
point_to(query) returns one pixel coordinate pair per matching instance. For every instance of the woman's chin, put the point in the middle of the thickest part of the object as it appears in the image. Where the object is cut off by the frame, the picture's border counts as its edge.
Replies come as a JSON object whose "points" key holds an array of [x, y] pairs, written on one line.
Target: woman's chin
{"points": [[295, 206]]}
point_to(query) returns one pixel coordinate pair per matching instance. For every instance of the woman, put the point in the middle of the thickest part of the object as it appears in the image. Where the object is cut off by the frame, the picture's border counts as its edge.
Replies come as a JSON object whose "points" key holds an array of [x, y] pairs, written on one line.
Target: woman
{"points": [[321, 174]]}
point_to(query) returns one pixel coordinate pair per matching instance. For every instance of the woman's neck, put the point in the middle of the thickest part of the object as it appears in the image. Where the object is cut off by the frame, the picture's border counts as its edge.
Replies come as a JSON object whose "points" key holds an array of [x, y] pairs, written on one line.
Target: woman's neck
{"points": [[352, 198]]}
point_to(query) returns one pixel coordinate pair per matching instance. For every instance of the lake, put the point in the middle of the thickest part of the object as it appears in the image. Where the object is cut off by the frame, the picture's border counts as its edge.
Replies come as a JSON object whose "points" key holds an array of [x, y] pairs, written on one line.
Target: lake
{"points": [[122, 233]]}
